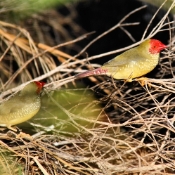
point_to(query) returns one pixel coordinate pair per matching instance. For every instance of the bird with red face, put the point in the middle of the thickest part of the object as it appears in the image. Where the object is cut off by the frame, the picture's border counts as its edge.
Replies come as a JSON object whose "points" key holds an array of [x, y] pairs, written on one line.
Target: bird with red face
{"points": [[133, 63], [22, 106]]}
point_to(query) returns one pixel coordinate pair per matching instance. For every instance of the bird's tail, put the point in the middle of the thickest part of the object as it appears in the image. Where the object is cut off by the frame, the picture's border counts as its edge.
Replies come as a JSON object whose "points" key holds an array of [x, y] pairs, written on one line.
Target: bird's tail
{"points": [[98, 71]]}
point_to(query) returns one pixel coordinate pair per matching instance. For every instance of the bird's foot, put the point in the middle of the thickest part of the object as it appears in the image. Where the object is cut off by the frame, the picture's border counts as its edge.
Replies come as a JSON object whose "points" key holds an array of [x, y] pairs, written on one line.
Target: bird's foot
{"points": [[15, 129], [128, 80], [23, 135], [143, 81], [12, 131]]}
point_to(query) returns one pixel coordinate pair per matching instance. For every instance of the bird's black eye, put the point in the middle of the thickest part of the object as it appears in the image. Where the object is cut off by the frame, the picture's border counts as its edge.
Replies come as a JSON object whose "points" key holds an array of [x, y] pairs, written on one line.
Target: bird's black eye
{"points": [[154, 47]]}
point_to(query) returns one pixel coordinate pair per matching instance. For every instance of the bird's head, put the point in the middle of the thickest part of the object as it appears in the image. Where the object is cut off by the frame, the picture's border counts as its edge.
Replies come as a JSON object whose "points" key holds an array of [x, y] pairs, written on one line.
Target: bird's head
{"points": [[156, 46], [39, 86], [32, 88]]}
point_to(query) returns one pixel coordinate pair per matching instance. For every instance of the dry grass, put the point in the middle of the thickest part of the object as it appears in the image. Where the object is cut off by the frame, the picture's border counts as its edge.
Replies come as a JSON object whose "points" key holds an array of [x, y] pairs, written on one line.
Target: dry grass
{"points": [[137, 136]]}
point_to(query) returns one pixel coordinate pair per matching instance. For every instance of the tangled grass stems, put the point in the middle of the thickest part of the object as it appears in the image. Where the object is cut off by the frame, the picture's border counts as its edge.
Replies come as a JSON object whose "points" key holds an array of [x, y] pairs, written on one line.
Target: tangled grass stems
{"points": [[138, 136]]}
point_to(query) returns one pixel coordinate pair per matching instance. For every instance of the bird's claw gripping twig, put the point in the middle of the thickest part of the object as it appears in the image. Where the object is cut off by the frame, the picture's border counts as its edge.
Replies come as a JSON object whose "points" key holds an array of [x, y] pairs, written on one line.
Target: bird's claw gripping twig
{"points": [[143, 81]]}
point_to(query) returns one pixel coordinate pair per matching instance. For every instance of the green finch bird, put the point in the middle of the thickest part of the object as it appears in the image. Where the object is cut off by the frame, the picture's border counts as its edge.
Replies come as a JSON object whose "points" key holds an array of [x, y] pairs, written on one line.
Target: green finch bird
{"points": [[22, 106], [133, 63]]}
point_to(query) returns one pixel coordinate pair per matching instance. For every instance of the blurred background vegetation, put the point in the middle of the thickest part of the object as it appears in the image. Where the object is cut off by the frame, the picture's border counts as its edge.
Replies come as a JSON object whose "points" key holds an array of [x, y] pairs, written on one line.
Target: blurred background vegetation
{"points": [[94, 125]]}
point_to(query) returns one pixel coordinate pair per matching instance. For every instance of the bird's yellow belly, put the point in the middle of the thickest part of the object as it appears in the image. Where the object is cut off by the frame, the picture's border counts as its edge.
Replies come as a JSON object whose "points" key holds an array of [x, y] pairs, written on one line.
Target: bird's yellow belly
{"points": [[132, 70], [19, 116]]}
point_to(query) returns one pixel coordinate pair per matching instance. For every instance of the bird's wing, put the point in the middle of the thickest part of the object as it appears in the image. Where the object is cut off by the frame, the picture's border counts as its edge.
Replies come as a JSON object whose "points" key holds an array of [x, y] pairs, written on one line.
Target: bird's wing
{"points": [[11, 106], [115, 62], [123, 59]]}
